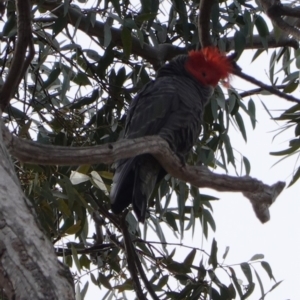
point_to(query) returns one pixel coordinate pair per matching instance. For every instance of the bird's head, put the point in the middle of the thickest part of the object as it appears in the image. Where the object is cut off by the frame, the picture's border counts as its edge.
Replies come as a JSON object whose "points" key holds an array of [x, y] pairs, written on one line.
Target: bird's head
{"points": [[209, 66]]}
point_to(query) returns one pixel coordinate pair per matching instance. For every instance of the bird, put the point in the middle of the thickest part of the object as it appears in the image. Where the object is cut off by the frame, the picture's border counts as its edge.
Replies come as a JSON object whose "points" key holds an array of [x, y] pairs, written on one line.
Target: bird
{"points": [[171, 106]]}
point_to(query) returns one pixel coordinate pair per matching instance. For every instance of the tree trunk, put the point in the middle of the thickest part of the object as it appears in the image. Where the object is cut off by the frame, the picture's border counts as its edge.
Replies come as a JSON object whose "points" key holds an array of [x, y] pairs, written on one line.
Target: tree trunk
{"points": [[29, 268]]}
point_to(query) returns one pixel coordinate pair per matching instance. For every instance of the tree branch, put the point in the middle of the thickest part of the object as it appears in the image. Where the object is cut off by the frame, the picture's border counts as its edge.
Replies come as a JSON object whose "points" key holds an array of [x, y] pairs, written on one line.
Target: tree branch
{"points": [[129, 250], [255, 42], [204, 21], [275, 10], [143, 276], [199, 176], [259, 90], [164, 52], [237, 71], [20, 62]]}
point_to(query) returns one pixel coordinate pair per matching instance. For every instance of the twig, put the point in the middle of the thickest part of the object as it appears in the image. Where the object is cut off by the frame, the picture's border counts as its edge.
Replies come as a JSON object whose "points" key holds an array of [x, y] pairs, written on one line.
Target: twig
{"points": [[59, 251], [144, 277], [266, 87], [259, 90]]}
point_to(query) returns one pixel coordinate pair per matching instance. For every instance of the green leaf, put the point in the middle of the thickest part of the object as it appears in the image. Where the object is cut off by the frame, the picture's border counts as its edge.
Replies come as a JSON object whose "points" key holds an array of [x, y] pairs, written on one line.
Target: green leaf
{"points": [[285, 152], [231, 102], [261, 26], [229, 151], [181, 198], [93, 279], [201, 271], [75, 257], [94, 55], [190, 258], [81, 79], [162, 282], [104, 281], [297, 130], [261, 286], [220, 97], [116, 4], [51, 78], [74, 228], [291, 87], [158, 230], [213, 260], [209, 219], [268, 269], [236, 283], [257, 54], [226, 252], [178, 268], [256, 257], [247, 271], [107, 32], [241, 125], [126, 41], [275, 285], [84, 261], [295, 177], [239, 42], [247, 165], [84, 290], [68, 261], [59, 24], [252, 112], [170, 219], [272, 66], [10, 26]]}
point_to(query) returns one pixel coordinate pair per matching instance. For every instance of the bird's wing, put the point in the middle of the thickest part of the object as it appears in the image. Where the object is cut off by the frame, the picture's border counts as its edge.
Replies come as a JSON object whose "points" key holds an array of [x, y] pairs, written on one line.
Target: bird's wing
{"points": [[170, 107], [150, 109]]}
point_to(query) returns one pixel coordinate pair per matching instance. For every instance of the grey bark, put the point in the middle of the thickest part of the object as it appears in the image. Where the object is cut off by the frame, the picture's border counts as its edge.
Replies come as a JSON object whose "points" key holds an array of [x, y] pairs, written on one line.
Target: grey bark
{"points": [[29, 268]]}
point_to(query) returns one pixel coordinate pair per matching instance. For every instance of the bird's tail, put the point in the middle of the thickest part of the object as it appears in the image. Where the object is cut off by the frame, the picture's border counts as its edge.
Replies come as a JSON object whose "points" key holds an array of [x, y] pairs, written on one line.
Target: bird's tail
{"points": [[146, 175], [134, 182], [122, 187]]}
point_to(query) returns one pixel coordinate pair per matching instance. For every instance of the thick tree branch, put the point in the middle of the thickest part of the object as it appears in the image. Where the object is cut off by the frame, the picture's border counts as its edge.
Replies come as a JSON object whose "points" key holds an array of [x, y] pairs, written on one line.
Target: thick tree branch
{"points": [[204, 21], [20, 62], [275, 11], [200, 176]]}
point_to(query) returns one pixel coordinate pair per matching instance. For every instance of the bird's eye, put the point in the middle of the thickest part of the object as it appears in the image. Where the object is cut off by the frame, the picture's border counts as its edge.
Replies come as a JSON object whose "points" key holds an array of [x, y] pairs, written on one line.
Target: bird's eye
{"points": [[203, 74]]}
